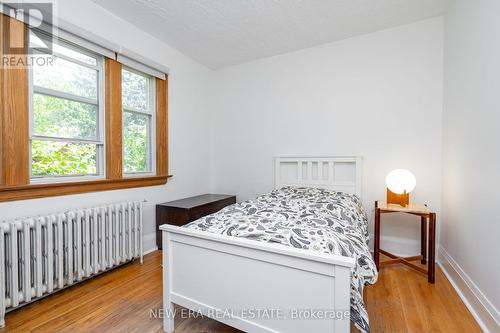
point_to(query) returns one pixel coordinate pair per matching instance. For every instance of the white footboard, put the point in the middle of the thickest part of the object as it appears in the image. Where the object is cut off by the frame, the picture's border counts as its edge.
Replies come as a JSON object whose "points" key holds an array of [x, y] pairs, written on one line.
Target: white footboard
{"points": [[254, 286]]}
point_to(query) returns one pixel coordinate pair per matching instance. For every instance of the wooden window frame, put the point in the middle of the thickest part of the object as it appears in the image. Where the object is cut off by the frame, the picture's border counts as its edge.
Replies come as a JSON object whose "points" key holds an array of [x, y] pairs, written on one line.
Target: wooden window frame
{"points": [[14, 133], [98, 102], [151, 113]]}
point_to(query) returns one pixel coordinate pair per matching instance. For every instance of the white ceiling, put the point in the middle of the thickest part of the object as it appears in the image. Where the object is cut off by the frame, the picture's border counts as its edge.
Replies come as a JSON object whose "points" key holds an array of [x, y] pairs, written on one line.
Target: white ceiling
{"points": [[221, 33]]}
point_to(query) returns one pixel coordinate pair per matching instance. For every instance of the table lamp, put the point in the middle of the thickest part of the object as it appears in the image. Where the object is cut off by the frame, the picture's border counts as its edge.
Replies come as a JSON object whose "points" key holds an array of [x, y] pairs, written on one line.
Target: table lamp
{"points": [[400, 183]]}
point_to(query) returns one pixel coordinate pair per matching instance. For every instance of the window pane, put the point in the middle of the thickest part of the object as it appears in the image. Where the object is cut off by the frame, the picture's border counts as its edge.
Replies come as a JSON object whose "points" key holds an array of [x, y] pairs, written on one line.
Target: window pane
{"points": [[67, 77], [59, 117], [136, 142], [53, 158], [134, 91]]}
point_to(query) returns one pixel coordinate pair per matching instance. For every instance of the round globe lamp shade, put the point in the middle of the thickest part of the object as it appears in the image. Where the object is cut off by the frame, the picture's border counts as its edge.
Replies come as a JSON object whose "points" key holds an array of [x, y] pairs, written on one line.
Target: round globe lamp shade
{"points": [[400, 183]]}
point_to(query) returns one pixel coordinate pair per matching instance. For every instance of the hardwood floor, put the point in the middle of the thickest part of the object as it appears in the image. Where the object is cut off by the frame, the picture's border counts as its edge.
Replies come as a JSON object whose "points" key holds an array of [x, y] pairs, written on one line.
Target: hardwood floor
{"points": [[126, 299], [403, 301]]}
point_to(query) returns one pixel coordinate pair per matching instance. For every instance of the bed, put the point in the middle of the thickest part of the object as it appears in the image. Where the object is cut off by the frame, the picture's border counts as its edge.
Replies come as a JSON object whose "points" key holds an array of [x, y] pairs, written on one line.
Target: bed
{"points": [[293, 260]]}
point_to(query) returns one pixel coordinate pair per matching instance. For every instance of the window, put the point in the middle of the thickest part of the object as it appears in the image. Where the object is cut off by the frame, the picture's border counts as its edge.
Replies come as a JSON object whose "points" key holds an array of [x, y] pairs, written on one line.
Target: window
{"points": [[138, 101], [66, 132], [84, 124]]}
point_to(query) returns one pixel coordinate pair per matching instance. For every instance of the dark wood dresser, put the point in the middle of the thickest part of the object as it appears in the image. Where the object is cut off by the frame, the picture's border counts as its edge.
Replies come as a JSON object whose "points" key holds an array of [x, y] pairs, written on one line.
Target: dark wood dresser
{"points": [[183, 211]]}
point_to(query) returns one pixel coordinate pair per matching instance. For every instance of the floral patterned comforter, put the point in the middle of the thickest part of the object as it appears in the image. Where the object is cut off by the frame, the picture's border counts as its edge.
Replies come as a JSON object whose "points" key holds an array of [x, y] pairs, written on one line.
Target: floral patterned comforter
{"points": [[309, 218]]}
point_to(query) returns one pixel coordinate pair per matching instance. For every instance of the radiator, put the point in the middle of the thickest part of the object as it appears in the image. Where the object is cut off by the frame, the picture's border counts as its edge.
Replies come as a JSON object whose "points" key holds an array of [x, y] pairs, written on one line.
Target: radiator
{"points": [[44, 254]]}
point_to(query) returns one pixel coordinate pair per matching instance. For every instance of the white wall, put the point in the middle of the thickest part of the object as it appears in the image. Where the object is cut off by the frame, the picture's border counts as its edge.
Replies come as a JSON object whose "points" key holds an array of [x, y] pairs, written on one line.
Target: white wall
{"points": [[188, 118], [377, 95], [470, 225]]}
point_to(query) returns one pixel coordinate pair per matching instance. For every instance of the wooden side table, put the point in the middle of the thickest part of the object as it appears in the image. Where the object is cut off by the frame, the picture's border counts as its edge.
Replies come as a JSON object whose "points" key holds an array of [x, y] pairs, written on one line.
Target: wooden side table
{"points": [[430, 244]]}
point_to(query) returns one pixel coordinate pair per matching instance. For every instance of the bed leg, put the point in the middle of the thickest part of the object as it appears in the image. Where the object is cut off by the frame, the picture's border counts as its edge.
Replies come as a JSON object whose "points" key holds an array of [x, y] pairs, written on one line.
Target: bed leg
{"points": [[168, 319], [168, 306]]}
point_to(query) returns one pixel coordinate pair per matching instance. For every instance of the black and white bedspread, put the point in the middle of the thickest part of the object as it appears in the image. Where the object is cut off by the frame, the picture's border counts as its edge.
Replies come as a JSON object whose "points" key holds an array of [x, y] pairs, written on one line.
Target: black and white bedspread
{"points": [[308, 218]]}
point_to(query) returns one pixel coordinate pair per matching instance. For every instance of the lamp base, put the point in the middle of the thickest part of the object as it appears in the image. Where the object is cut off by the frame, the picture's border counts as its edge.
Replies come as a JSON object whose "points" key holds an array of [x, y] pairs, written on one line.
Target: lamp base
{"points": [[398, 199]]}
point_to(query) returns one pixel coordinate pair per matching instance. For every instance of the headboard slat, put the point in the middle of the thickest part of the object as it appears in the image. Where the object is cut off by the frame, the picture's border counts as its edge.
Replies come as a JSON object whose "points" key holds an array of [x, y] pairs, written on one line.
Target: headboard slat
{"points": [[341, 174]]}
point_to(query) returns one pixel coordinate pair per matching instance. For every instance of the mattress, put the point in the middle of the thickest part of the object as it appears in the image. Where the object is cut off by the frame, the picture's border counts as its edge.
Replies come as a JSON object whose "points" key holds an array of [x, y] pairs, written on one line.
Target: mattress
{"points": [[309, 218]]}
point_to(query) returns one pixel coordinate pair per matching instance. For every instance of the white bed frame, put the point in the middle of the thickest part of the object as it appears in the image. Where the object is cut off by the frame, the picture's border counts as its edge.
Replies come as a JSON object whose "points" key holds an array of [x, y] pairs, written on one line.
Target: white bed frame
{"points": [[262, 287]]}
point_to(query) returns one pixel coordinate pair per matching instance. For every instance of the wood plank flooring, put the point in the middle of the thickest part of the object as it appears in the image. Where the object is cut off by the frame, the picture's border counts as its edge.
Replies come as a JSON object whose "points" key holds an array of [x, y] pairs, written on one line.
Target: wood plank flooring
{"points": [[125, 300]]}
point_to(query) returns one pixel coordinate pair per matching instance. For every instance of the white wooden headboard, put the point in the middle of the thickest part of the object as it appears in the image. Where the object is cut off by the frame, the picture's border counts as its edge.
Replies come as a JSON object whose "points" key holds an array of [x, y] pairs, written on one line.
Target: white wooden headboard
{"points": [[334, 173]]}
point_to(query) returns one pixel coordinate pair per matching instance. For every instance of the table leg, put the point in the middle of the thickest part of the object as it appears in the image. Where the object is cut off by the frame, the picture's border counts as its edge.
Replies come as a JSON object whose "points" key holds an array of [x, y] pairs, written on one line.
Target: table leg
{"points": [[376, 250], [432, 248], [423, 239]]}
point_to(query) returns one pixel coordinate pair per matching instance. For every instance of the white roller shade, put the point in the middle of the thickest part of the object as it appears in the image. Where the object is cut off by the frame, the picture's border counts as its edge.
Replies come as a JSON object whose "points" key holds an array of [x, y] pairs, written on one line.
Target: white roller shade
{"points": [[142, 64], [85, 43], [78, 41]]}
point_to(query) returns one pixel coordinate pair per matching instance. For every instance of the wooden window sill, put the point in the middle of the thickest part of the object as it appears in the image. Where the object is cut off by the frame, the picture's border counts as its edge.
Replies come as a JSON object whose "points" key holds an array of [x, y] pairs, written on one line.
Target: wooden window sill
{"points": [[31, 191]]}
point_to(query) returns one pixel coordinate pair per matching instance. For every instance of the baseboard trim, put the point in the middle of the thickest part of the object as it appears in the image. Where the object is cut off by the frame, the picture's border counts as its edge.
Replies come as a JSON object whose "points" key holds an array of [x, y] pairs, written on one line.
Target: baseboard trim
{"points": [[149, 243], [485, 313], [150, 250]]}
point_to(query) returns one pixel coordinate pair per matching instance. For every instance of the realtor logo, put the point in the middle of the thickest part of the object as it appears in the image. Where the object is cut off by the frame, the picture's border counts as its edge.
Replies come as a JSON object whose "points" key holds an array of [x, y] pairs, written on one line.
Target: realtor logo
{"points": [[20, 40]]}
